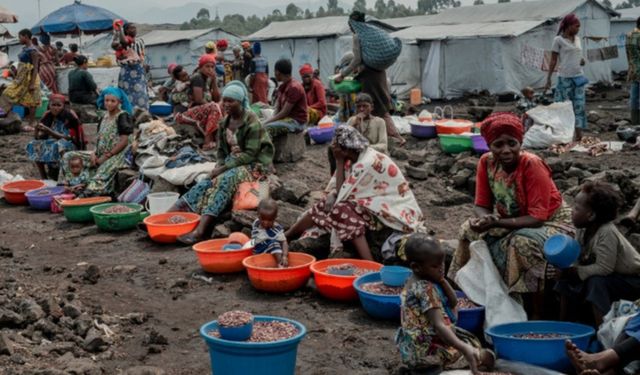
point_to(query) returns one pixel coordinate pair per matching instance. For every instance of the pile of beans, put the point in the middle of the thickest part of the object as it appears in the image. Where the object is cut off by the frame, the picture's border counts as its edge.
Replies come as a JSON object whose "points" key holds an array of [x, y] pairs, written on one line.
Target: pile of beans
{"points": [[268, 331], [540, 336], [118, 209], [235, 318], [43, 192], [465, 303], [347, 269], [378, 287], [177, 219]]}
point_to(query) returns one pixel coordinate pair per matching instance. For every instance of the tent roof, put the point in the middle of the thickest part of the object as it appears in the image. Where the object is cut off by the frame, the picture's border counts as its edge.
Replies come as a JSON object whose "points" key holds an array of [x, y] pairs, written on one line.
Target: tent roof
{"points": [[542, 11], [311, 28], [466, 31], [156, 37], [630, 14]]}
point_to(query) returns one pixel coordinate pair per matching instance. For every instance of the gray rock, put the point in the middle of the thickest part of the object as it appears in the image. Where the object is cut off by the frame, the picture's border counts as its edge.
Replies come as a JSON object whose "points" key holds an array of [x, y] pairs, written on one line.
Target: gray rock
{"points": [[288, 214], [18, 359], [416, 159], [31, 311], [47, 327], [91, 274], [59, 348], [400, 154], [155, 338], [594, 116], [576, 172], [83, 366], [221, 231], [6, 347], [86, 112], [292, 191], [125, 268], [451, 198], [49, 371], [95, 342], [479, 113], [154, 349], [72, 310], [289, 147], [51, 307], [178, 284], [10, 124], [82, 325], [419, 173], [444, 163], [137, 318], [6, 252], [461, 179], [557, 165], [144, 370], [9, 318]]}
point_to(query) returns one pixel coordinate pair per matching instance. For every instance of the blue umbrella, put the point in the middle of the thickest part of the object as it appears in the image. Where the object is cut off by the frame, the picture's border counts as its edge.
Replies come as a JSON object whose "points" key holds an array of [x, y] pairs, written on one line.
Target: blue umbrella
{"points": [[75, 18]]}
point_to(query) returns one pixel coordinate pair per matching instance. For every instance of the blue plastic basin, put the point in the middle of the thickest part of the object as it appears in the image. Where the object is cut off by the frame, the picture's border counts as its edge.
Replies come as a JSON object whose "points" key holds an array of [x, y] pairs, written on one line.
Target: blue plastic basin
{"points": [[19, 110], [470, 319], [549, 353], [376, 305], [39, 200], [561, 250], [321, 135], [395, 275], [419, 130], [253, 358], [240, 333], [161, 109], [232, 246]]}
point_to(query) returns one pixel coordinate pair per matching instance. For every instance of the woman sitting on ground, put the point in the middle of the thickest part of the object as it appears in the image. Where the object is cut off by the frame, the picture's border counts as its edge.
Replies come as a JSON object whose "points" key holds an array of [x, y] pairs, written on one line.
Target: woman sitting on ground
{"points": [[82, 87], [245, 153], [367, 192], [179, 94], [204, 111], [59, 131], [114, 136], [517, 208], [608, 269]]}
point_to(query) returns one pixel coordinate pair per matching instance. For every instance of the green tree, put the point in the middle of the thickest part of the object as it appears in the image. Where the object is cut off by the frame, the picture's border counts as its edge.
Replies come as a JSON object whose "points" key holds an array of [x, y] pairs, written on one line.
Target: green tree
{"points": [[308, 14], [203, 14], [504, 1], [607, 3], [478, 2], [628, 4], [433, 6], [360, 6], [321, 12], [380, 9], [293, 11], [333, 9]]}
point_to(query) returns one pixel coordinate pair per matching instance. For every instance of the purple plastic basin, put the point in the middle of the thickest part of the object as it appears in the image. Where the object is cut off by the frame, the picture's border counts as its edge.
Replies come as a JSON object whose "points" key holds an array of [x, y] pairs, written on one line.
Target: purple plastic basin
{"points": [[40, 199], [479, 144], [321, 135], [423, 131]]}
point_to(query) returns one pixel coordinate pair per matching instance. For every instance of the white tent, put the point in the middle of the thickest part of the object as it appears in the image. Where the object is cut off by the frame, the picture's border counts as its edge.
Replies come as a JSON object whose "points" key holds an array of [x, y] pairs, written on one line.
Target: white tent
{"points": [[93, 46], [619, 28], [184, 47], [322, 42], [484, 47]]}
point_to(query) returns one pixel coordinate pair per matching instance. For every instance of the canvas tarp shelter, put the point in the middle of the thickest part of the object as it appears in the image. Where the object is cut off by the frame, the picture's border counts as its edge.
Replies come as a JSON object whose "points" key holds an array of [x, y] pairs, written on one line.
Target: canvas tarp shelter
{"points": [[183, 47], [620, 26], [480, 47], [322, 42]]}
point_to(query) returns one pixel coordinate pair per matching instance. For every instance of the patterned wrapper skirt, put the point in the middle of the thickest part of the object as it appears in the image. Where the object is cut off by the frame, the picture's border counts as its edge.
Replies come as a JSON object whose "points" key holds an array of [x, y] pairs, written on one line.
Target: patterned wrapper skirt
{"points": [[133, 81]]}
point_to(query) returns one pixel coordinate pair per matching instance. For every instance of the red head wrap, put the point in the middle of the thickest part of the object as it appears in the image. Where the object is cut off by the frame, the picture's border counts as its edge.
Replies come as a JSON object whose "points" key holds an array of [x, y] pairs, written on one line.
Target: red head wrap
{"points": [[205, 59], [222, 44], [306, 69], [171, 68], [501, 123], [568, 21], [57, 97]]}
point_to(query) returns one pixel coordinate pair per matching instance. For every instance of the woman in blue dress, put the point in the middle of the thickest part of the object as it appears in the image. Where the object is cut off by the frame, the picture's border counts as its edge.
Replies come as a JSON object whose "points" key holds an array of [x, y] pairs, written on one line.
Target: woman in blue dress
{"points": [[59, 131]]}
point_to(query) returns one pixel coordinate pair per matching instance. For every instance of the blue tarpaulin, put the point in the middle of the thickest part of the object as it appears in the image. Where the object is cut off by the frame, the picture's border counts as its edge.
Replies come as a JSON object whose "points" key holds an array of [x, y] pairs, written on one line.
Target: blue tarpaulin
{"points": [[76, 17]]}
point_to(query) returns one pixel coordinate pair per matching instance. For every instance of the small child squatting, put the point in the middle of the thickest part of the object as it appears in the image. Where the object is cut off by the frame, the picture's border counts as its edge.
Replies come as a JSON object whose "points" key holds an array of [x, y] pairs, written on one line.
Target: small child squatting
{"points": [[428, 338], [268, 236]]}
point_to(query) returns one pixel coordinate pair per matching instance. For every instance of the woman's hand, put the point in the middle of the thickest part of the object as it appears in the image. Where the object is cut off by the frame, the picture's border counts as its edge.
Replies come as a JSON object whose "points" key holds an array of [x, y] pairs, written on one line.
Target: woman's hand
{"points": [[484, 223], [470, 354], [329, 202], [339, 78]]}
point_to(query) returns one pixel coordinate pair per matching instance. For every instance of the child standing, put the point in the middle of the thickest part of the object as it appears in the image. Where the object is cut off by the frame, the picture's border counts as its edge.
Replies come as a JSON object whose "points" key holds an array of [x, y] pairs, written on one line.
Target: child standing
{"points": [[428, 338], [268, 236], [609, 266], [526, 103]]}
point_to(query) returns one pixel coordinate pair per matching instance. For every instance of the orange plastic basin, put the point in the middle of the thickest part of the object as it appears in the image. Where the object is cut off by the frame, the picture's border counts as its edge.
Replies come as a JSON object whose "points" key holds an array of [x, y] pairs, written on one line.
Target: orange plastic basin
{"points": [[239, 237], [215, 260], [161, 230], [85, 201], [14, 191], [453, 126], [265, 275], [338, 287]]}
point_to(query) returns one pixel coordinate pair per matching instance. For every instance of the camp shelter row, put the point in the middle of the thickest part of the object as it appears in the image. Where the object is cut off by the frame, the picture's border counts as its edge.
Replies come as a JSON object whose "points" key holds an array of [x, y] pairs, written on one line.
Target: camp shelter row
{"points": [[497, 47]]}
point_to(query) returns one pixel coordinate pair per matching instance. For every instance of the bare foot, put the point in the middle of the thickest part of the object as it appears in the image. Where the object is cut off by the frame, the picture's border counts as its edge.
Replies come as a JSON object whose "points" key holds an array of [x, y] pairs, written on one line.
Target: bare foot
{"points": [[574, 356], [190, 238]]}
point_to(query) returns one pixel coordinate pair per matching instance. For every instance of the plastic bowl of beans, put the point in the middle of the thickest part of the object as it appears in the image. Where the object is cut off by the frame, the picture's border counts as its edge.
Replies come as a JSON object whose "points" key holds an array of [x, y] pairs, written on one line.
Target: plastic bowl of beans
{"points": [[378, 300], [167, 227], [518, 341], [334, 277], [470, 314]]}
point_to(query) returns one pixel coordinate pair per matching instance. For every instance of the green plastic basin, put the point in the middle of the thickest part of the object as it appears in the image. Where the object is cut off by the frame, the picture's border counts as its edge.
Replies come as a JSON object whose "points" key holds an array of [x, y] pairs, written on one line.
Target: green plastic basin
{"points": [[118, 221], [455, 143]]}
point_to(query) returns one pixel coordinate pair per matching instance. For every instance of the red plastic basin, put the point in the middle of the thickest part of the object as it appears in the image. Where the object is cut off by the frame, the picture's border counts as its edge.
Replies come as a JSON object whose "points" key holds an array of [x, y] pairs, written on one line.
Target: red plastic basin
{"points": [[265, 275], [14, 191], [453, 126], [215, 260], [161, 230], [339, 287]]}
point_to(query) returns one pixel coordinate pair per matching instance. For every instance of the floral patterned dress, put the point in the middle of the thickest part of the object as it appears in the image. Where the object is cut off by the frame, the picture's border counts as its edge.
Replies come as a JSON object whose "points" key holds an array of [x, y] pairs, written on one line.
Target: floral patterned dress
{"points": [[103, 178], [50, 150], [18, 92], [417, 339]]}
